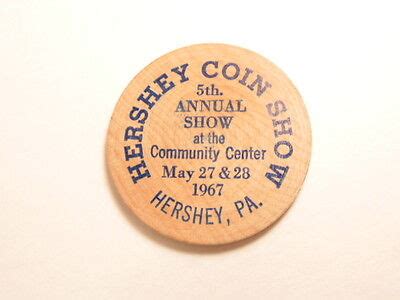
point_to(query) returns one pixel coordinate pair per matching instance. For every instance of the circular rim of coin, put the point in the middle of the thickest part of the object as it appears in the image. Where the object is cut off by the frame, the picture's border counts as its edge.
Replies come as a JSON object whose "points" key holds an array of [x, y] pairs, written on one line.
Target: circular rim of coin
{"points": [[209, 144]]}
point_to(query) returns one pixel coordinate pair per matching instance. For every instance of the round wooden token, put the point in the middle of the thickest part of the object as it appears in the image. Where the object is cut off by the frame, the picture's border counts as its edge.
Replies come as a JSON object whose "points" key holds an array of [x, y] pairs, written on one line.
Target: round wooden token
{"points": [[209, 144]]}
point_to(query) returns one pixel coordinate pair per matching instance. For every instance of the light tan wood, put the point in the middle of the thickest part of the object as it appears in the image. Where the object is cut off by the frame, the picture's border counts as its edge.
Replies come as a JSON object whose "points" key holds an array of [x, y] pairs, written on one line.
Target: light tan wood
{"points": [[264, 149]]}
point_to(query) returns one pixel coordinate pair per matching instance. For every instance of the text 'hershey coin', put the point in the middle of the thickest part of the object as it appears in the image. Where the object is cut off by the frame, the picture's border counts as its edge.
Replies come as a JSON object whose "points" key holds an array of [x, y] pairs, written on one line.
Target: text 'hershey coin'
{"points": [[209, 144]]}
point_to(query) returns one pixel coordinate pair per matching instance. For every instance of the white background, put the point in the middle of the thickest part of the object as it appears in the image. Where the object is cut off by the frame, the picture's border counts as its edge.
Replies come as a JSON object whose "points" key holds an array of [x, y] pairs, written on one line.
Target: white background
{"points": [[64, 233]]}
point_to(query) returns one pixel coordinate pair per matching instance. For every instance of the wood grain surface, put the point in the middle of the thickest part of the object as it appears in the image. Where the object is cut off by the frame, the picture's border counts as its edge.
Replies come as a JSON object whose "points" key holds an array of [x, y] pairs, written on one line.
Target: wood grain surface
{"points": [[209, 144]]}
